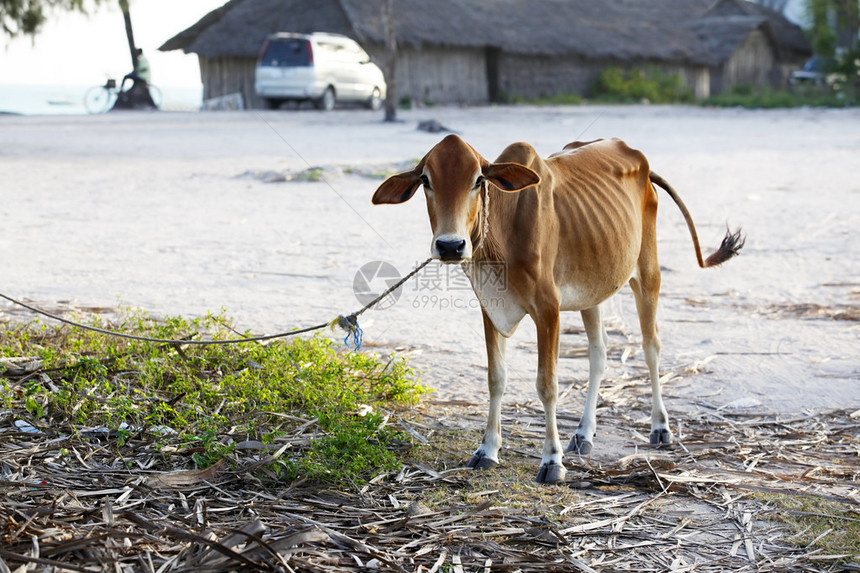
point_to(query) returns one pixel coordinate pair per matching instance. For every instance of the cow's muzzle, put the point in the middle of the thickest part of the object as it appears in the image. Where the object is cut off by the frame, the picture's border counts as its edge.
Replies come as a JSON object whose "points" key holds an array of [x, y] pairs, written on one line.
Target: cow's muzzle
{"points": [[451, 250]]}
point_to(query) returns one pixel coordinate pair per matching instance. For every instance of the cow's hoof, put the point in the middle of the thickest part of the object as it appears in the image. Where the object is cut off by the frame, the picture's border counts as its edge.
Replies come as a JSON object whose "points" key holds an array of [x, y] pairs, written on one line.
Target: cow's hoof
{"points": [[551, 473], [580, 445], [660, 436], [481, 462]]}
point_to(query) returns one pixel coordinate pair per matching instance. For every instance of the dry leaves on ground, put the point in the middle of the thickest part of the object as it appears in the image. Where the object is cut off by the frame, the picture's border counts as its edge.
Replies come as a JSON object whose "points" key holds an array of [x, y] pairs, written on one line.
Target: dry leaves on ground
{"points": [[80, 504]]}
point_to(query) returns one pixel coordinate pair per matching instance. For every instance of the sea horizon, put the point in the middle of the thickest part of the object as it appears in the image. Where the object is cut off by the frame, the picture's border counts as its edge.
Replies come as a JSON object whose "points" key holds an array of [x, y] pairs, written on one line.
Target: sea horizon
{"points": [[68, 99]]}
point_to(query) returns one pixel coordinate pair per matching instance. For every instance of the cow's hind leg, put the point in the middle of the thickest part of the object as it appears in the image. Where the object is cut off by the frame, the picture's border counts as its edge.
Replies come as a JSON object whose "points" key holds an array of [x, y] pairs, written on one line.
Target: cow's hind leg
{"points": [[581, 442], [646, 289], [487, 454]]}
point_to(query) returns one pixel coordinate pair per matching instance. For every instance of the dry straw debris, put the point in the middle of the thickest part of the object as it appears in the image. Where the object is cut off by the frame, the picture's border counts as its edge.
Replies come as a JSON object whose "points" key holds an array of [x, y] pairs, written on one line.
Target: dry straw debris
{"points": [[75, 504]]}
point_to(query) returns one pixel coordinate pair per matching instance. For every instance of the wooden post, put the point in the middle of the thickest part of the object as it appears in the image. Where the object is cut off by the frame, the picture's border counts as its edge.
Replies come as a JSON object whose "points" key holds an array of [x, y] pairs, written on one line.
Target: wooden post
{"points": [[123, 5], [390, 29]]}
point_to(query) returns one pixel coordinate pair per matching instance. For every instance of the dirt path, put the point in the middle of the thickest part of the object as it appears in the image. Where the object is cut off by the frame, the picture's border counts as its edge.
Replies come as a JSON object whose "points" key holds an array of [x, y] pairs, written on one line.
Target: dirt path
{"points": [[169, 212]]}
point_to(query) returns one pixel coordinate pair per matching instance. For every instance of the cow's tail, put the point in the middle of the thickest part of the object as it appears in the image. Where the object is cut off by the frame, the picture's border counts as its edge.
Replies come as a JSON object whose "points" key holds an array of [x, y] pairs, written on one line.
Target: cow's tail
{"points": [[732, 242]]}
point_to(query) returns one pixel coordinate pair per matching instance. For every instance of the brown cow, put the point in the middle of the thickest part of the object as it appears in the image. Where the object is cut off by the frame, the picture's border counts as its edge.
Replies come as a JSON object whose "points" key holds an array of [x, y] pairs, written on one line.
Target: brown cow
{"points": [[569, 231]]}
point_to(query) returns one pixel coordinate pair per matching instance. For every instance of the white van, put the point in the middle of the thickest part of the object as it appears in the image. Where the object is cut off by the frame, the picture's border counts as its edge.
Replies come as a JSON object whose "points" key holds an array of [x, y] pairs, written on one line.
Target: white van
{"points": [[322, 68]]}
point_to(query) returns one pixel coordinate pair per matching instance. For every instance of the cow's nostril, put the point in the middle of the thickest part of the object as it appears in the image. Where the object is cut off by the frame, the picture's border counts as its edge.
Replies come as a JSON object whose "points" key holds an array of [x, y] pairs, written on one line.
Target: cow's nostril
{"points": [[450, 249]]}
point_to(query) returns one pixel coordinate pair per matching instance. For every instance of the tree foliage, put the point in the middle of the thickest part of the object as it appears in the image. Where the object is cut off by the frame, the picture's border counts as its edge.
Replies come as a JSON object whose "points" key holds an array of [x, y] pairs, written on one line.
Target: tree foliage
{"points": [[834, 24], [26, 17]]}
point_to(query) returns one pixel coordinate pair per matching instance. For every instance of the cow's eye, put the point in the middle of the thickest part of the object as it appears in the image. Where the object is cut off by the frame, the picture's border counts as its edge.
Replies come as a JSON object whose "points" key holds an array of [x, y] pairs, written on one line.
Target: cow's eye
{"points": [[425, 181], [479, 181]]}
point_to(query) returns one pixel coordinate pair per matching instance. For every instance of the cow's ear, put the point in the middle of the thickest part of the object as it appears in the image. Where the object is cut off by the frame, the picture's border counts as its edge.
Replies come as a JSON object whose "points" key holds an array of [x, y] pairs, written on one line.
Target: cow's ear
{"points": [[510, 177], [397, 188]]}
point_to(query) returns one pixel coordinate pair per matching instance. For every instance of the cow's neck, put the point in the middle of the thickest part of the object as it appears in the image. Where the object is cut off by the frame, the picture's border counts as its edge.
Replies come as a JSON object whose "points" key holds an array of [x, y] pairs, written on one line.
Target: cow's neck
{"points": [[496, 215], [488, 270]]}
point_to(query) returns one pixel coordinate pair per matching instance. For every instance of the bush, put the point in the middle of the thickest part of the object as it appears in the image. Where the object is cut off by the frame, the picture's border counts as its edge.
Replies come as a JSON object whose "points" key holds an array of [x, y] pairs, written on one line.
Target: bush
{"points": [[766, 98], [848, 71], [202, 400], [634, 86]]}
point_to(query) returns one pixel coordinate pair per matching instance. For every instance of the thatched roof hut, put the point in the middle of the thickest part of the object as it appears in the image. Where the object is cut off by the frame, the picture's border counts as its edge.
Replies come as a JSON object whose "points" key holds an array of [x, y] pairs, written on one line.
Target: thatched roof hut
{"points": [[472, 51]]}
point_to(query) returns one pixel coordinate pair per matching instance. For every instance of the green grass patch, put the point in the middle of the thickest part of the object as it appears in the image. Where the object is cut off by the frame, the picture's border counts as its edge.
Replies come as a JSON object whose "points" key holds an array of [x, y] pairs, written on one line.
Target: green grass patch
{"points": [[766, 98], [832, 527], [616, 85], [557, 99], [206, 399]]}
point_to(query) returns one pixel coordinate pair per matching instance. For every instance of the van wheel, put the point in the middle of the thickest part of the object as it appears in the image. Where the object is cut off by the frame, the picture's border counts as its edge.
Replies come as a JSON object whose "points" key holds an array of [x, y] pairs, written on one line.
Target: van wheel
{"points": [[375, 101], [327, 101]]}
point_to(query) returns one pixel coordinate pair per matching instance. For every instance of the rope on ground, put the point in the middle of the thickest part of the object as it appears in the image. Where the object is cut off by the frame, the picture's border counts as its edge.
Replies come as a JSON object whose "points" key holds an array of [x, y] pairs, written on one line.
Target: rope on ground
{"points": [[349, 322]]}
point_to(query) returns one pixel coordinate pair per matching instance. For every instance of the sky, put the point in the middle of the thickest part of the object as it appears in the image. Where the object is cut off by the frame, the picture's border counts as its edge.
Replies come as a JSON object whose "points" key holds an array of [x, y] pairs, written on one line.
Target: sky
{"points": [[73, 48]]}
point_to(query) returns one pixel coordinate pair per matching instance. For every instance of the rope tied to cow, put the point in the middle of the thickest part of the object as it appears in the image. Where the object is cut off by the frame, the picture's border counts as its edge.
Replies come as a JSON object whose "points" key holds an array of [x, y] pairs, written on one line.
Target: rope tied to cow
{"points": [[350, 325], [485, 215], [348, 322], [484, 228]]}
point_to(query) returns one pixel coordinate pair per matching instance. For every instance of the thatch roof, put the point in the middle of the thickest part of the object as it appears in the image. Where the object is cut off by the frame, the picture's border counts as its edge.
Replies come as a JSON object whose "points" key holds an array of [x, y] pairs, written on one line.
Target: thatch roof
{"points": [[239, 27], [692, 31], [185, 38], [788, 36], [722, 34]]}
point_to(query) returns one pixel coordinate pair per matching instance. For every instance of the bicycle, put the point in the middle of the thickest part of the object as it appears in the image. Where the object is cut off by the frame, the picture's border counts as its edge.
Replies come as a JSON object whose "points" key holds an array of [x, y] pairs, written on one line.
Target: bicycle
{"points": [[100, 99]]}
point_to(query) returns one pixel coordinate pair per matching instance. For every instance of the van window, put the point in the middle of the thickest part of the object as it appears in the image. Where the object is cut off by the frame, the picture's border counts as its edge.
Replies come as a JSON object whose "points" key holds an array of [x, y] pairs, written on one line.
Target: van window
{"points": [[286, 52], [344, 52]]}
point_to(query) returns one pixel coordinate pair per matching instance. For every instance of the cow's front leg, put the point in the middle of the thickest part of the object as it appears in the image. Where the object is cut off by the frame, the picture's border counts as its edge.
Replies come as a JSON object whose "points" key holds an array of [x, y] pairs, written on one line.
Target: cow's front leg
{"points": [[551, 465], [581, 442], [487, 454]]}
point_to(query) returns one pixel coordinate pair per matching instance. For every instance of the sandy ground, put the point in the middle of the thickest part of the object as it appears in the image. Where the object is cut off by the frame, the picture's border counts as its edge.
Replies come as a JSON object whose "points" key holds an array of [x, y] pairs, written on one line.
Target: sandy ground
{"points": [[162, 211]]}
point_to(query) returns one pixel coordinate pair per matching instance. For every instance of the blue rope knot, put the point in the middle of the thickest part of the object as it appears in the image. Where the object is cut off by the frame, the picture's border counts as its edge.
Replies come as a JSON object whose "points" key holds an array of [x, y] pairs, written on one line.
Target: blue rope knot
{"points": [[353, 330]]}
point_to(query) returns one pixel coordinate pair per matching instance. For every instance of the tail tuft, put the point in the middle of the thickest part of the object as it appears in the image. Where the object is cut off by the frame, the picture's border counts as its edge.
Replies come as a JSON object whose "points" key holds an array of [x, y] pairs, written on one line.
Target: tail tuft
{"points": [[730, 247]]}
